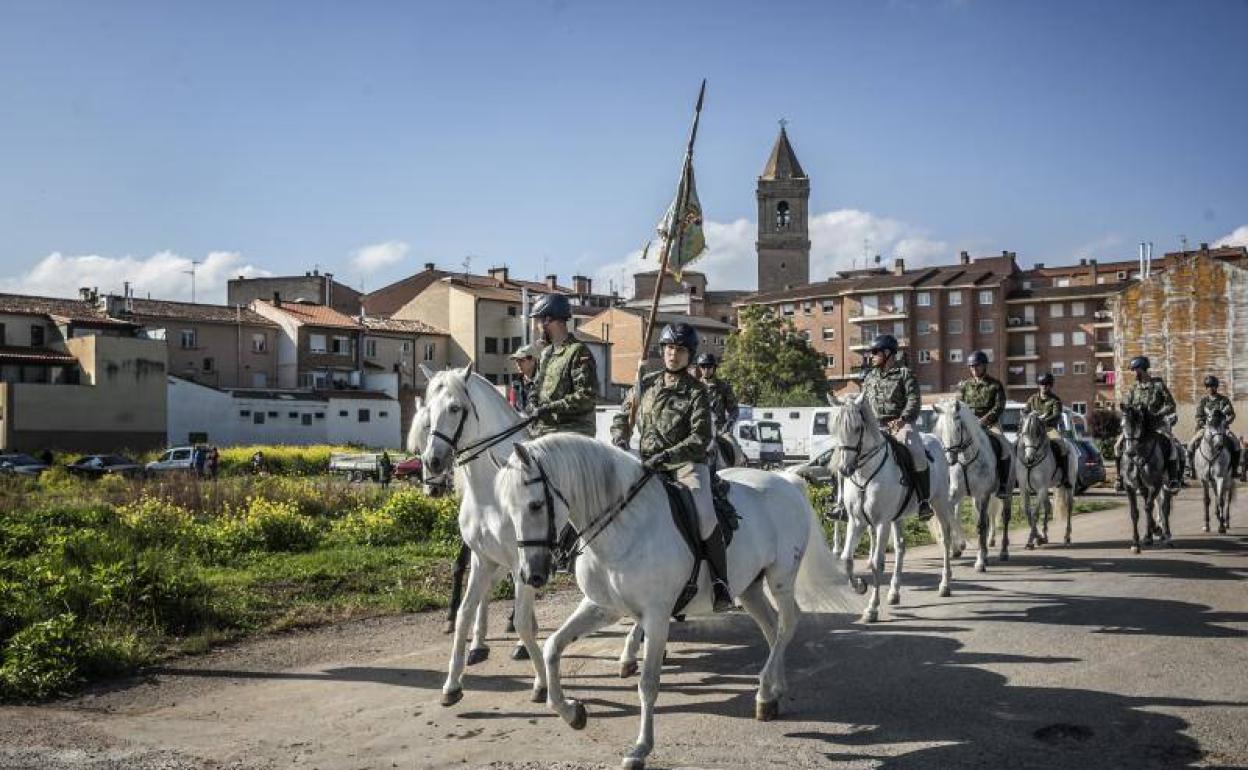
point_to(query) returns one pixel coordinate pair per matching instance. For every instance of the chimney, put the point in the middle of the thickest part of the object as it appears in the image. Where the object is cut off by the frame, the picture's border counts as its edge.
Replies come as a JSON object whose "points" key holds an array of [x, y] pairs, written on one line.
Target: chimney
{"points": [[899, 266], [1039, 266], [329, 289], [552, 281], [1083, 262], [1204, 247], [277, 299], [582, 284], [84, 293], [242, 277], [428, 266], [964, 258], [1092, 270], [499, 274]]}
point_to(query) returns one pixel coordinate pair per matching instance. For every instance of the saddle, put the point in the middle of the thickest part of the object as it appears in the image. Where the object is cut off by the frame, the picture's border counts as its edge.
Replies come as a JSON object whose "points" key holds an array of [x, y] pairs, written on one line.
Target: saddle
{"points": [[725, 449], [685, 517]]}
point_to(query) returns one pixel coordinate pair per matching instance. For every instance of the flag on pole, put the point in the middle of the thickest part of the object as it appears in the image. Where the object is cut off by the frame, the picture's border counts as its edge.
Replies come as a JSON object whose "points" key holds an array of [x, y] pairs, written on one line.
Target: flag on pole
{"points": [[686, 229]]}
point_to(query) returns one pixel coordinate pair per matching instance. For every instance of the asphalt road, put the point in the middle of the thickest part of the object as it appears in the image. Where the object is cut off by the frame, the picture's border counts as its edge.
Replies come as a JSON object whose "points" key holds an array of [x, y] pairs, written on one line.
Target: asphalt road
{"points": [[1081, 656]]}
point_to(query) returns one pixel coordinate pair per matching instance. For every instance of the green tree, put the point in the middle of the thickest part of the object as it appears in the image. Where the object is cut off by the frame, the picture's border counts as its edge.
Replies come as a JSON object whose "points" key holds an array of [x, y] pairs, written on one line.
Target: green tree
{"points": [[769, 364]]}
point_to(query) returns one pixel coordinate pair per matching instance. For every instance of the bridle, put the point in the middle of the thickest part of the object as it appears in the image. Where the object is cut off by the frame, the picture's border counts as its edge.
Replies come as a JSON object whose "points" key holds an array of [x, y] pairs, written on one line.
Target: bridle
{"points": [[965, 441], [1139, 433], [862, 458], [474, 449]]}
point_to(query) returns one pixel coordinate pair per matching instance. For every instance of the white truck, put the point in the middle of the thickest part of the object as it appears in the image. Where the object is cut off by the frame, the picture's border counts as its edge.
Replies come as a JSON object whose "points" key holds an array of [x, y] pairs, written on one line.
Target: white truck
{"points": [[760, 440]]}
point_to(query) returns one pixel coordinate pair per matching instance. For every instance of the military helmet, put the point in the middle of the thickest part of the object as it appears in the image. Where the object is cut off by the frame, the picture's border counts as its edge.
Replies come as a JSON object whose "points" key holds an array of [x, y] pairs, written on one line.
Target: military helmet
{"points": [[524, 351], [884, 342], [978, 358], [1044, 379], [552, 306], [680, 334], [1139, 362], [1211, 381], [707, 360]]}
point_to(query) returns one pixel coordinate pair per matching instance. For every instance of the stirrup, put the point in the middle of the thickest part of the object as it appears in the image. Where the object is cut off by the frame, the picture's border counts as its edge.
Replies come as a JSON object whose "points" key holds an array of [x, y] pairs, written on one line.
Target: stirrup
{"points": [[721, 597], [925, 510]]}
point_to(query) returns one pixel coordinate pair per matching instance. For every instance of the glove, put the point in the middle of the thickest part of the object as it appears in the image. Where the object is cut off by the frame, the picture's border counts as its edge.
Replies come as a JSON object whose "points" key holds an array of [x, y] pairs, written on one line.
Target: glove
{"points": [[621, 443], [542, 411], [656, 462]]}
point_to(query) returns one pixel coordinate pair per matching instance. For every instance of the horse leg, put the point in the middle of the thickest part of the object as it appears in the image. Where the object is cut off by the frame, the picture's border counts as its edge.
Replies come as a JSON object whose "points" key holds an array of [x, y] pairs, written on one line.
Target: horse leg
{"points": [[1006, 514], [526, 628], [878, 542], [479, 577], [982, 525], [628, 655], [457, 586], [648, 688], [771, 680], [1149, 499], [1163, 528], [1069, 496], [853, 531], [1134, 507], [755, 603], [585, 619], [479, 650], [947, 529], [1204, 487], [899, 556], [1046, 513], [1029, 505]]}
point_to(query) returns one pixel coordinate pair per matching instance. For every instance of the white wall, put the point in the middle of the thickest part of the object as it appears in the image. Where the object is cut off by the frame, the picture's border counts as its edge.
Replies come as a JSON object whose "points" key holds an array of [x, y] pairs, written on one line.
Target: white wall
{"points": [[379, 432]]}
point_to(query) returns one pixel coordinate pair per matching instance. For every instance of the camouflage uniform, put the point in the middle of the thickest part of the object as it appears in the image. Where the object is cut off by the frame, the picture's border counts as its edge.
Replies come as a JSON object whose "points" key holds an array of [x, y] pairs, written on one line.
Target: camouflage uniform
{"points": [[674, 418], [1207, 406], [565, 389], [1049, 407], [894, 394], [724, 412], [526, 390], [986, 398]]}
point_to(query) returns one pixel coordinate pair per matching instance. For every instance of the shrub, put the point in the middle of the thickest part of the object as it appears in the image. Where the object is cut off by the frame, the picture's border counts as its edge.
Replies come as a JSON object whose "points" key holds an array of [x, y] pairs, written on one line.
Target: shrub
{"points": [[280, 460], [154, 522], [42, 659], [407, 516], [269, 525]]}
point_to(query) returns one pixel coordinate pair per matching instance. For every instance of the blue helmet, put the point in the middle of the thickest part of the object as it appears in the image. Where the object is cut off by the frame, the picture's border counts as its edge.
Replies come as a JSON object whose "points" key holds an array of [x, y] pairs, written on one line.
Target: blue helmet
{"points": [[681, 334], [1139, 362], [978, 358], [885, 343], [552, 306]]}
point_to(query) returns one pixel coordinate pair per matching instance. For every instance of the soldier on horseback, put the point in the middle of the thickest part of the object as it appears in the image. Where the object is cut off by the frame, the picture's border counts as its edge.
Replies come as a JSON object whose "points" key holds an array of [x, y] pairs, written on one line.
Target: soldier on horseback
{"points": [[985, 395], [566, 384], [893, 393], [1152, 395], [673, 421], [1211, 402], [1048, 406]]}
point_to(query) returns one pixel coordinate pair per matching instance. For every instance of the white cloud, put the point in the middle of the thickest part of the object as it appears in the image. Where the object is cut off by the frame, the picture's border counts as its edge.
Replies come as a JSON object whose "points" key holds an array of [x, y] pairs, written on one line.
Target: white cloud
{"points": [[162, 275], [1237, 238], [836, 243], [376, 256]]}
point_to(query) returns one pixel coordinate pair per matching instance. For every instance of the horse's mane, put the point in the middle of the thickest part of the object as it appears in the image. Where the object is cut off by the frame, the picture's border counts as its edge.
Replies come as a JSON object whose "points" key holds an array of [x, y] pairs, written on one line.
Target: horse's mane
{"points": [[592, 475], [958, 410], [850, 414], [1027, 429]]}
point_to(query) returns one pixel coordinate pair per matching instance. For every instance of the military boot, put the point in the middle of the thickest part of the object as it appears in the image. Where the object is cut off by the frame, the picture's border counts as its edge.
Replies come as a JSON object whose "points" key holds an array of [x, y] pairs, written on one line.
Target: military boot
{"points": [[1191, 463], [923, 480], [717, 560], [1003, 477], [719, 494], [1173, 478], [1118, 487]]}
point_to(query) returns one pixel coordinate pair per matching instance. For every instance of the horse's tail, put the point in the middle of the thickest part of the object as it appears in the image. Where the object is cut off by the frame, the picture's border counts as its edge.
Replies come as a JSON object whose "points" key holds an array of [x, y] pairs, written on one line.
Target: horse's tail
{"points": [[822, 585]]}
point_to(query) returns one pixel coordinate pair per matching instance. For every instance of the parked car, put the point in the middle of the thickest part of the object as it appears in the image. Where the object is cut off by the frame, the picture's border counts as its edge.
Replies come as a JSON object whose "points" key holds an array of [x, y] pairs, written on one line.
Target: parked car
{"points": [[356, 467], [95, 466], [409, 470], [1091, 465], [181, 458], [18, 464]]}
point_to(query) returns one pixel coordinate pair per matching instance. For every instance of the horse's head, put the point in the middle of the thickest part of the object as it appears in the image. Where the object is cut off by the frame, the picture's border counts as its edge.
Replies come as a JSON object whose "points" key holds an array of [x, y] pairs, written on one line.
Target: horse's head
{"points": [[435, 485], [1031, 430], [1134, 426], [949, 427], [848, 424], [537, 511], [452, 418], [1215, 429]]}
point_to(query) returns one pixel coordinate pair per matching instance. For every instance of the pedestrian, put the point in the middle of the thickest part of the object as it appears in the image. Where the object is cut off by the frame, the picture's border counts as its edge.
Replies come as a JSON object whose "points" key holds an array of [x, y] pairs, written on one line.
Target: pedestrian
{"points": [[257, 462], [385, 468], [214, 463], [199, 459]]}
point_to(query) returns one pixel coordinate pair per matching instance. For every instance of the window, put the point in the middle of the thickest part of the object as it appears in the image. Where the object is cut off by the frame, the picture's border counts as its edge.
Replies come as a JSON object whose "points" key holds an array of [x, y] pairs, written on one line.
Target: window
{"points": [[507, 344], [1121, 275], [429, 350], [1056, 310], [36, 335], [783, 217], [1, 334], [187, 339], [1078, 309], [208, 364], [342, 413], [511, 310], [786, 308], [1026, 285], [955, 298], [955, 355], [370, 348], [1029, 315], [316, 343], [405, 347], [925, 356], [954, 326], [829, 360], [320, 415], [491, 344], [1057, 339], [1079, 367], [1058, 369], [259, 343], [924, 327], [985, 297], [870, 305], [828, 306], [1079, 407], [342, 345], [820, 426], [986, 326], [924, 299], [899, 303], [244, 412], [516, 343], [808, 307], [1078, 338], [828, 334], [305, 419], [293, 415], [383, 414], [273, 414], [258, 418], [1061, 283]]}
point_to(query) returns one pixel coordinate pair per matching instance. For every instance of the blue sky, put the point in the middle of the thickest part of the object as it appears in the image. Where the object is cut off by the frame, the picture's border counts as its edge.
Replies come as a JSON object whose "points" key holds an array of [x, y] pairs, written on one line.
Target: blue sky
{"points": [[369, 138]]}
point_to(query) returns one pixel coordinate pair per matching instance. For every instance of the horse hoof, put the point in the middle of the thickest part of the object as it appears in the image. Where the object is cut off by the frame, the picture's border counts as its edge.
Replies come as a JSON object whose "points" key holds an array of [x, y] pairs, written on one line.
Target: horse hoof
{"points": [[766, 711], [1206, 527], [957, 554], [894, 599], [520, 653], [981, 567], [1030, 547], [944, 591], [992, 542], [1005, 556], [539, 695], [627, 669], [1135, 549], [633, 763], [1221, 530], [448, 627], [870, 616], [1066, 540], [860, 586], [477, 655], [1169, 543], [1042, 540], [579, 717], [451, 697]]}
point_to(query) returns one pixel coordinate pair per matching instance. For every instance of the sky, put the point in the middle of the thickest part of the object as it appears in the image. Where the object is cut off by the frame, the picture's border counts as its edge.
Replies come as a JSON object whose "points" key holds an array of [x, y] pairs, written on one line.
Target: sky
{"points": [[368, 138]]}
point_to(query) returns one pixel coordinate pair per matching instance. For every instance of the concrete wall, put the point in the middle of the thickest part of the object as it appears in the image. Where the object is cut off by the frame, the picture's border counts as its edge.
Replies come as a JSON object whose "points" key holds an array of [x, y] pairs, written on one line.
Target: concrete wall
{"points": [[234, 362], [121, 403], [313, 288], [382, 430], [17, 330]]}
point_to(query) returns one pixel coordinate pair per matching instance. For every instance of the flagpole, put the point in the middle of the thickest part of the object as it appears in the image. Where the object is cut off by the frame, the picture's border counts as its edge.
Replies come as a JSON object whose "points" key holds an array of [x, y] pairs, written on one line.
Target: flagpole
{"points": [[675, 230]]}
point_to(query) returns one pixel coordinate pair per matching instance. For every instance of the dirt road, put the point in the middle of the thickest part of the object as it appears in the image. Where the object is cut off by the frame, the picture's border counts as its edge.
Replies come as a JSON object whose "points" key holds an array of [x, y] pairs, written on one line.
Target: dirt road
{"points": [[1081, 656]]}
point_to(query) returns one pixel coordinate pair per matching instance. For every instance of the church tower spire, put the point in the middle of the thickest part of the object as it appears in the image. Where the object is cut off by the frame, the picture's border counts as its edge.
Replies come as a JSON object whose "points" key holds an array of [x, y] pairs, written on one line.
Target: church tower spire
{"points": [[783, 219]]}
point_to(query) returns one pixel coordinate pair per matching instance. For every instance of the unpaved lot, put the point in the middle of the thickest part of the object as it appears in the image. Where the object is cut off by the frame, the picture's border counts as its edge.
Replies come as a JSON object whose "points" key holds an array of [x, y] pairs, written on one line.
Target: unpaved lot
{"points": [[1082, 656]]}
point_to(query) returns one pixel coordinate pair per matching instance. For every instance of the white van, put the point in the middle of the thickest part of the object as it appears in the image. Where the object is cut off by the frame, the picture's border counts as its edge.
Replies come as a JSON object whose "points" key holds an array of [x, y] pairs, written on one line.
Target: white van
{"points": [[762, 442]]}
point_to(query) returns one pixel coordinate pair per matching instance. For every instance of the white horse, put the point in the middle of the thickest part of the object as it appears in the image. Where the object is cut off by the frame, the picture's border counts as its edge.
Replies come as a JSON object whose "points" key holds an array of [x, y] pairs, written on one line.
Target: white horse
{"points": [[877, 495], [635, 563], [1213, 468], [1038, 472], [464, 409], [973, 473]]}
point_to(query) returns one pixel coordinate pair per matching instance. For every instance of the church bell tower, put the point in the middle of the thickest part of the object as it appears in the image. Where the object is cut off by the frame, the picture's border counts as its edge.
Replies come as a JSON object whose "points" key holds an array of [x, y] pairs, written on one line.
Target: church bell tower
{"points": [[783, 220]]}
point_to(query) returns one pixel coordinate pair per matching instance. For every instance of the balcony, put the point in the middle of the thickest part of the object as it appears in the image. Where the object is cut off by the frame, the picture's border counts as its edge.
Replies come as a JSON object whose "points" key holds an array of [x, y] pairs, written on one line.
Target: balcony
{"points": [[1103, 349], [1102, 319], [1021, 324], [1022, 353], [884, 313], [865, 342]]}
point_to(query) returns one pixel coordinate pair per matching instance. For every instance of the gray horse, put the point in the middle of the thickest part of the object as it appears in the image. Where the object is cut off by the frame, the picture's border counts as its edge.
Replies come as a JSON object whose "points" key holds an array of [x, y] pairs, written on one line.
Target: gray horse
{"points": [[1144, 474], [1212, 461]]}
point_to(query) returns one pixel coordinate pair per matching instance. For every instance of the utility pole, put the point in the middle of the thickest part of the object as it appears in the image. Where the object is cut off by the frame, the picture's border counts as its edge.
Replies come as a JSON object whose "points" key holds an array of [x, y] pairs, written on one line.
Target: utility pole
{"points": [[191, 273]]}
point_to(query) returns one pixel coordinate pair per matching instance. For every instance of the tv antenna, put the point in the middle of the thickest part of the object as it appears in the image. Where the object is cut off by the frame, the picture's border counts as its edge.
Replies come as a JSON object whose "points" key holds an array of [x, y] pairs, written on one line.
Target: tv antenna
{"points": [[191, 273]]}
